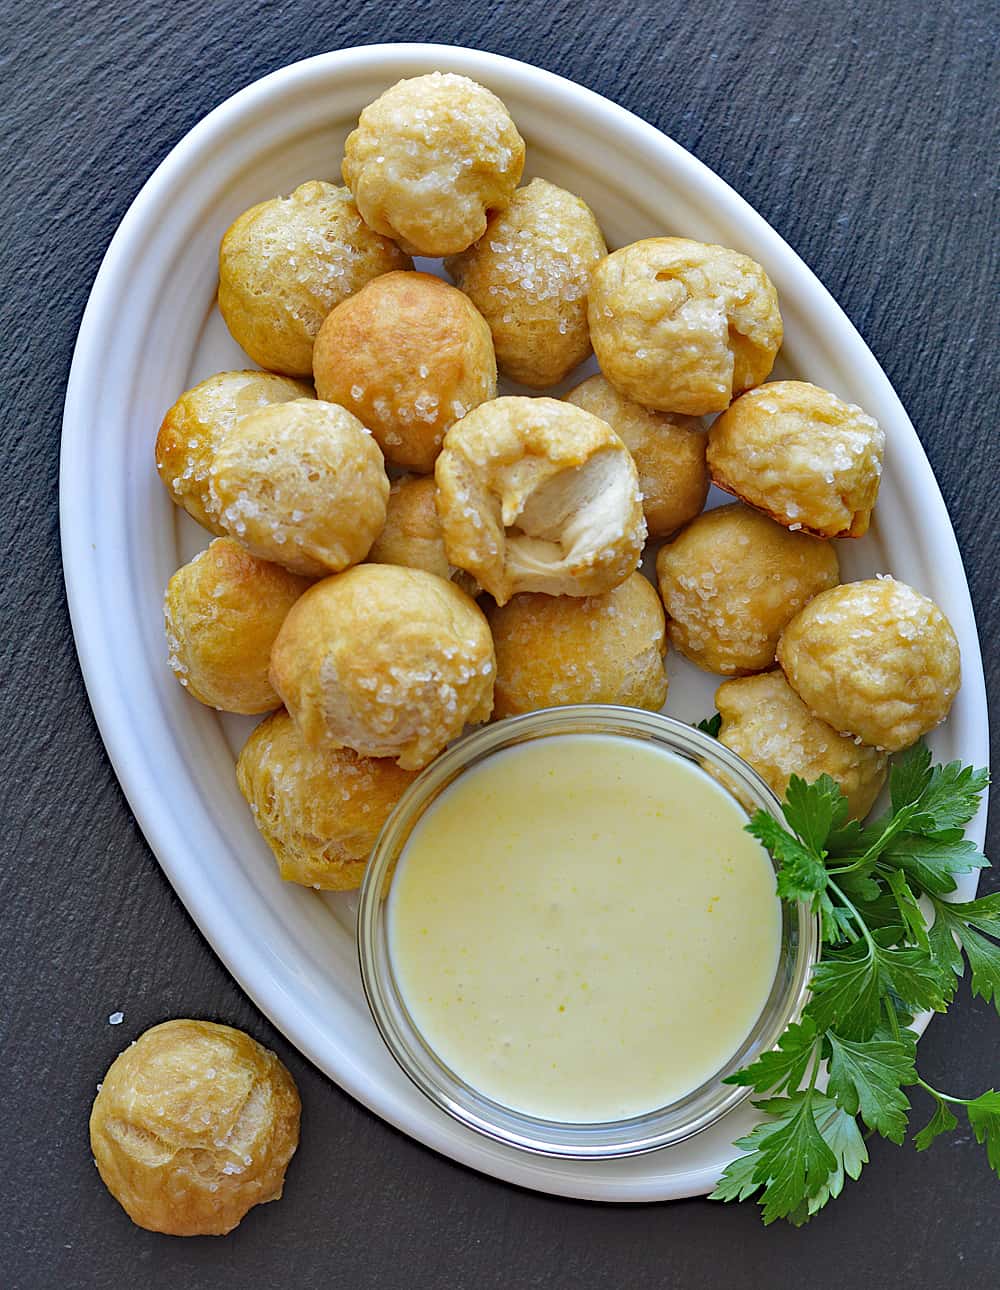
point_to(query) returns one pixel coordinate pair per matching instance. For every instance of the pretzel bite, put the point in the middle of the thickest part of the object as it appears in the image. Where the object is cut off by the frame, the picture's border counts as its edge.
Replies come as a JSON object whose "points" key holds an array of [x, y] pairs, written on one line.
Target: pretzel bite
{"points": [[391, 662], [222, 613], [874, 659], [302, 484], [539, 495], [731, 580], [668, 450], [408, 355], [192, 1126], [528, 276], [555, 650], [430, 158], [802, 456], [196, 423], [286, 262], [683, 326], [412, 534], [766, 723], [319, 812]]}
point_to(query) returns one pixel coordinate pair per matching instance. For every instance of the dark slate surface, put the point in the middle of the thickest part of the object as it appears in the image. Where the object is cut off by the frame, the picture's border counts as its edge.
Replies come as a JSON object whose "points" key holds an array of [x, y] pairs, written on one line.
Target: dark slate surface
{"points": [[863, 132]]}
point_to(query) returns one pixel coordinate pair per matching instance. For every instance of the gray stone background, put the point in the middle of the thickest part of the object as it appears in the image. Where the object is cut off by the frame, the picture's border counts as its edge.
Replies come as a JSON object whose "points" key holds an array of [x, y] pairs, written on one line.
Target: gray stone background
{"points": [[866, 134]]}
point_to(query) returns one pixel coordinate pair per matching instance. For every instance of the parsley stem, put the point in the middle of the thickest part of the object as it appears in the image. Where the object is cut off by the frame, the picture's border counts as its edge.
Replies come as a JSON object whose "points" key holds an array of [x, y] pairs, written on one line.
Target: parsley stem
{"points": [[893, 1020], [817, 1063], [895, 825], [846, 868], [858, 918], [944, 1097]]}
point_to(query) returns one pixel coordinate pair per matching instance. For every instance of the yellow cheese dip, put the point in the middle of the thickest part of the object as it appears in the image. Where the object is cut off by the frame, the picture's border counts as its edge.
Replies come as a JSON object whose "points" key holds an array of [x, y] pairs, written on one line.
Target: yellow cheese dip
{"points": [[581, 928]]}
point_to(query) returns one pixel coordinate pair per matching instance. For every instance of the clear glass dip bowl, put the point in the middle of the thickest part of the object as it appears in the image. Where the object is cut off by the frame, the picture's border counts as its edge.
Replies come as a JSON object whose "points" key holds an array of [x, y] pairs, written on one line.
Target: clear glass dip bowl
{"points": [[662, 1127]]}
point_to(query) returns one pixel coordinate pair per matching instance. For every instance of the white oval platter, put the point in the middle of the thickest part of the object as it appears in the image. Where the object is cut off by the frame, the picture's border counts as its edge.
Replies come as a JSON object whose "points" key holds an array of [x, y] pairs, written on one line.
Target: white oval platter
{"points": [[151, 330]]}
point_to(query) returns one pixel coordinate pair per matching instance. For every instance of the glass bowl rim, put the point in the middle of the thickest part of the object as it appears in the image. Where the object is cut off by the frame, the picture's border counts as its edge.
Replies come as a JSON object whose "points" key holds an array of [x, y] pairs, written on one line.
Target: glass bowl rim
{"points": [[661, 1127]]}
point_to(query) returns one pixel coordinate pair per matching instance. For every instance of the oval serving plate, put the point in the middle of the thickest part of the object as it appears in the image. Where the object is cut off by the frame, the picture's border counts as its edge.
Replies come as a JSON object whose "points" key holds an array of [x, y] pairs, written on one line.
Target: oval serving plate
{"points": [[151, 330]]}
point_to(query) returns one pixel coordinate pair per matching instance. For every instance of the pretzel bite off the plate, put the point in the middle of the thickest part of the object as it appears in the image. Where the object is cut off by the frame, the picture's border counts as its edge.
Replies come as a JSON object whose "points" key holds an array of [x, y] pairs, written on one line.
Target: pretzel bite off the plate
{"points": [[555, 650], [388, 661], [194, 426], [874, 659], [766, 723], [535, 494], [408, 355], [668, 449], [430, 158], [192, 1126], [802, 456], [222, 614], [731, 580], [528, 276], [683, 326], [286, 262], [320, 812], [302, 484]]}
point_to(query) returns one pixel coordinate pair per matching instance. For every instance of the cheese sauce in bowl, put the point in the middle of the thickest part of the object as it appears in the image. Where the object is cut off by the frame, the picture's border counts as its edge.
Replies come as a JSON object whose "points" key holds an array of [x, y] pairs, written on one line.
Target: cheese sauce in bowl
{"points": [[567, 937]]}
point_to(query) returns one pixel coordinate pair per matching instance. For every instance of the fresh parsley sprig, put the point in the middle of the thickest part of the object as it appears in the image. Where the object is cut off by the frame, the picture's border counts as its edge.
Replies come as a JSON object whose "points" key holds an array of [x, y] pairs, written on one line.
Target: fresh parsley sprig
{"points": [[894, 945]]}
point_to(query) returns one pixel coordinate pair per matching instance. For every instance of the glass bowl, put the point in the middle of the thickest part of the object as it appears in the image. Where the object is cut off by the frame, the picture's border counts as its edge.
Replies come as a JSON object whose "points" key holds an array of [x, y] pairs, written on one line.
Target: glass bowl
{"points": [[662, 1127]]}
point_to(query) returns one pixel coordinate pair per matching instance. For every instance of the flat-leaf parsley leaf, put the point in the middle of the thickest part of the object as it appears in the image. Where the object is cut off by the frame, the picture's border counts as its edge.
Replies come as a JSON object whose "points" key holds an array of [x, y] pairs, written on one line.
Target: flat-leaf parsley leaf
{"points": [[870, 885]]}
